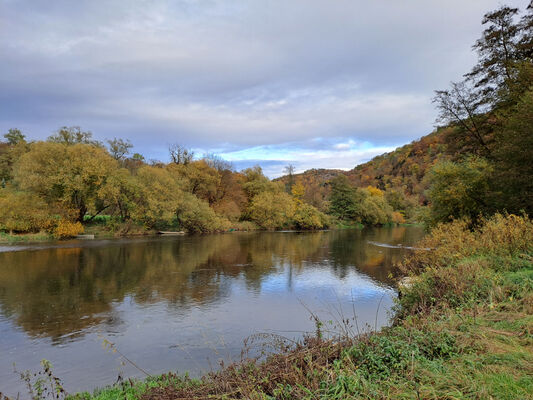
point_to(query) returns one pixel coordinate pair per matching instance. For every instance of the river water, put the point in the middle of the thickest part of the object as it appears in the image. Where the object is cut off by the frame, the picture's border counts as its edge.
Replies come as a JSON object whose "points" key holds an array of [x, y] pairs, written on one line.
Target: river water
{"points": [[183, 303]]}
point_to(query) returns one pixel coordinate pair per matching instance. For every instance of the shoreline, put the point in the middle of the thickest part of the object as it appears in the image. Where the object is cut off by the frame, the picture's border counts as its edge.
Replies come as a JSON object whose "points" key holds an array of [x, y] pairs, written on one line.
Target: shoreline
{"points": [[99, 233]]}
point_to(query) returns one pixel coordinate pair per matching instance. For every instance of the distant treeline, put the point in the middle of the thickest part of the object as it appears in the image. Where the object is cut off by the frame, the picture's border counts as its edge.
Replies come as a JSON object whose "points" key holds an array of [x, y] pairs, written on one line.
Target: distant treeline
{"points": [[70, 179]]}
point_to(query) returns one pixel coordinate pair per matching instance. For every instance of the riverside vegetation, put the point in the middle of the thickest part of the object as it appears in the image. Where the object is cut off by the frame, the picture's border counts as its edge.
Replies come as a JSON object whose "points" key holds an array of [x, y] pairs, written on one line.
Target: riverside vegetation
{"points": [[70, 184]]}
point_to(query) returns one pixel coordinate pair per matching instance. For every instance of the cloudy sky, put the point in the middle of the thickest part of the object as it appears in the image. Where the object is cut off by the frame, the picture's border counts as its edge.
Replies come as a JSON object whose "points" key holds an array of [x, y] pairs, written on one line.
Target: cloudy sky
{"points": [[324, 84]]}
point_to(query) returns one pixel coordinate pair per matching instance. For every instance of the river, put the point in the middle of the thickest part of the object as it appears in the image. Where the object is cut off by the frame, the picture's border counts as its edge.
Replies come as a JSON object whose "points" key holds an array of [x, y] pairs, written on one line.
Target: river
{"points": [[183, 303]]}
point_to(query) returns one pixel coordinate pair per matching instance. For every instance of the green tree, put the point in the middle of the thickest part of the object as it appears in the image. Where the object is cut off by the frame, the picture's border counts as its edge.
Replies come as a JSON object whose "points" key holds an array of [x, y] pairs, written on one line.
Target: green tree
{"points": [[498, 53], [121, 193], [308, 217], [14, 136], [160, 198], [119, 148], [344, 199], [459, 189], [513, 172], [255, 182], [289, 171], [374, 209], [70, 135]]}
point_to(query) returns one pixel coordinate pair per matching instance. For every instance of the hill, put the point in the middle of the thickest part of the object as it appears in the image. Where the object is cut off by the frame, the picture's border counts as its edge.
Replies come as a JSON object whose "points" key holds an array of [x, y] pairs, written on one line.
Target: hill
{"points": [[400, 172]]}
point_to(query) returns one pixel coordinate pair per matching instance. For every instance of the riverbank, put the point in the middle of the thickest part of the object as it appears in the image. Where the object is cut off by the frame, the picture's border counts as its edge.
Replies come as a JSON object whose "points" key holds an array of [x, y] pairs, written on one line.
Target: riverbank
{"points": [[105, 230], [463, 329]]}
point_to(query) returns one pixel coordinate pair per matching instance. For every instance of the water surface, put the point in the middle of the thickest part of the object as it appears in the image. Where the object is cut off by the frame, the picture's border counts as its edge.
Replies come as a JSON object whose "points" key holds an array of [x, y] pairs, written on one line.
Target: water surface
{"points": [[182, 303]]}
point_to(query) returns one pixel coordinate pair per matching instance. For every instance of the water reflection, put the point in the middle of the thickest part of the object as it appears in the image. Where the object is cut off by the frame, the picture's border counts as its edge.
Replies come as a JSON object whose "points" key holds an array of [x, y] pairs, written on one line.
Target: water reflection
{"points": [[151, 293]]}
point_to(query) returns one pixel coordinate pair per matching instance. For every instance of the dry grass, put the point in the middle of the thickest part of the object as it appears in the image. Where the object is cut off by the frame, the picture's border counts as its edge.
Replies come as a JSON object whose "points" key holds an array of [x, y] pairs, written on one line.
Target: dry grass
{"points": [[305, 364]]}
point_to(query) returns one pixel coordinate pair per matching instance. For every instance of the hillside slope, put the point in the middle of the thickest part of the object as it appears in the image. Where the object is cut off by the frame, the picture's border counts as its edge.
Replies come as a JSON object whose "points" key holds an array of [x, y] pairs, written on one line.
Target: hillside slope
{"points": [[401, 171]]}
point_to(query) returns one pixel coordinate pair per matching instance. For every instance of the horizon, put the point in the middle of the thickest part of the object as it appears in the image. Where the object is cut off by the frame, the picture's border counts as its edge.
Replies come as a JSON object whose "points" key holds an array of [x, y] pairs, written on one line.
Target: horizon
{"points": [[310, 84]]}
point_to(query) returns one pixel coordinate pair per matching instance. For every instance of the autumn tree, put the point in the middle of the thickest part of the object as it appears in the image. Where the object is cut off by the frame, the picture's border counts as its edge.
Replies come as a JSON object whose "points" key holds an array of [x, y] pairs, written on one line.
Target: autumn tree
{"points": [[289, 171], [180, 154], [10, 152], [459, 189], [272, 210], [23, 212], [14, 136], [217, 162], [70, 135], [119, 148], [198, 178], [69, 175]]}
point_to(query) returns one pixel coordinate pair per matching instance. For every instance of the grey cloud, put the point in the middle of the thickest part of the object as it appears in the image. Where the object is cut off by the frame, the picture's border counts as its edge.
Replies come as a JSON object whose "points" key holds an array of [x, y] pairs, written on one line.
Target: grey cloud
{"points": [[228, 75]]}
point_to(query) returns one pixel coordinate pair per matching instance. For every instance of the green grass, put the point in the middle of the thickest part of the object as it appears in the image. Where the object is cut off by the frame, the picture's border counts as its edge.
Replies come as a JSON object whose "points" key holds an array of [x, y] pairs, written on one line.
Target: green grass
{"points": [[26, 237], [133, 389]]}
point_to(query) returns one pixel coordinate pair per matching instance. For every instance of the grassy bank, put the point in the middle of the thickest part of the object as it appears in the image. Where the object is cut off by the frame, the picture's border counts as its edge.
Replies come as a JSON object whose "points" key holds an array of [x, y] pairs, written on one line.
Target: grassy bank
{"points": [[105, 227], [26, 237], [463, 330]]}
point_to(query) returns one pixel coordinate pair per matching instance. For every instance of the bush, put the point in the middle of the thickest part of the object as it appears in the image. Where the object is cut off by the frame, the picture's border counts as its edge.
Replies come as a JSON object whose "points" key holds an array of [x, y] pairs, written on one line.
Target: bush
{"points": [[308, 217], [271, 210], [23, 212], [66, 229], [501, 235], [397, 218], [461, 266], [471, 281], [195, 215], [394, 352], [506, 235]]}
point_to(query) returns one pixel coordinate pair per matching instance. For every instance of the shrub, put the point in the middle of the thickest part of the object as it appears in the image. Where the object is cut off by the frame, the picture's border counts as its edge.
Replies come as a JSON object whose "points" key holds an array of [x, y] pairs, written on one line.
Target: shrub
{"points": [[271, 210], [500, 235], [472, 280], [397, 218], [66, 229], [23, 212], [461, 266], [383, 355], [195, 215], [506, 235], [308, 217]]}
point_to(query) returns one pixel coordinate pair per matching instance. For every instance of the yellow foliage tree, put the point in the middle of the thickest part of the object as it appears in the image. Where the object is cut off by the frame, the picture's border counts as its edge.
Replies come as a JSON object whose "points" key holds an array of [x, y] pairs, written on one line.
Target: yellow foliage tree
{"points": [[68, 175]]}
